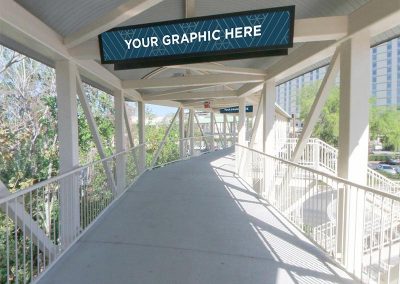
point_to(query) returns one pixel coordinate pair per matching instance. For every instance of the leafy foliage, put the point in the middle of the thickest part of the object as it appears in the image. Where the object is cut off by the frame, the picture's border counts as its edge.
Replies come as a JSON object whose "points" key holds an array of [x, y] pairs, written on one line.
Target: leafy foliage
{"points": [[383, 121], [327, 128]]}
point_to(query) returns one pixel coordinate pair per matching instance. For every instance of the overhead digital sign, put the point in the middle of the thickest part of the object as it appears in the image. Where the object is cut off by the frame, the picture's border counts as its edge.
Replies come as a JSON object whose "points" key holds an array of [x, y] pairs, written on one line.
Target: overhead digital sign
{"points": [[219, 37], [235, 109]]}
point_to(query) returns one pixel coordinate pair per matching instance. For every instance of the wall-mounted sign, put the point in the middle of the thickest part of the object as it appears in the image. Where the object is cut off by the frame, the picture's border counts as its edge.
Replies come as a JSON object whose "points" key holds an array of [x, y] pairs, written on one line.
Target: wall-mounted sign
{"points": [[235, 109], [219, 37]]}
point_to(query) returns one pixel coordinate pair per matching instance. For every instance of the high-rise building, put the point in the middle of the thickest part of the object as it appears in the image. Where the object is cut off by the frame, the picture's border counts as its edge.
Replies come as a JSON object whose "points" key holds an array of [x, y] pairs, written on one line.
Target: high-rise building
{"points": [[288, 93], [385, 87]]}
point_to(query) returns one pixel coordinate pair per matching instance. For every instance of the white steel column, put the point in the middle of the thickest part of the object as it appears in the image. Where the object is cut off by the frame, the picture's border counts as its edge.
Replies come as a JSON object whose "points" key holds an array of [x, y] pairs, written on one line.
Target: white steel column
{"points": [[68, 150], [268, 140], [120, 144], [242, 122], [181, 133], [355, 82], [191, 131], [268, 106], [224, 130], [212, 128], [254, 143], [141, 129], [234, 132]]}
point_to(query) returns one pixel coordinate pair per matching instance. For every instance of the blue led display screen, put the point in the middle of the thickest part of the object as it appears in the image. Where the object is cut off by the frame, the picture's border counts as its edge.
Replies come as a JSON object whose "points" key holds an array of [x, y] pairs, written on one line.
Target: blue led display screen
{"points": [[245, 34], [235, 109]]}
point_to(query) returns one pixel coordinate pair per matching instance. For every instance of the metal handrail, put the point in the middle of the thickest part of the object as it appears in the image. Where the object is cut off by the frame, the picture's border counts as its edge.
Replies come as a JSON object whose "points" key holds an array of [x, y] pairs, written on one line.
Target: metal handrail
{"points": [[337, 179], [59, 177]]}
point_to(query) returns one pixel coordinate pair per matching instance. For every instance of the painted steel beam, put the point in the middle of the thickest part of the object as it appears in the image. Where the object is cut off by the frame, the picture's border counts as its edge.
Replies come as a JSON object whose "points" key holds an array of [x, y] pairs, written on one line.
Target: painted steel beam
{"points": [[161, 146], [219, 68], [317, 106], [218, 79], [249, 89], [320, 29], [191, 96], [95, 133]]}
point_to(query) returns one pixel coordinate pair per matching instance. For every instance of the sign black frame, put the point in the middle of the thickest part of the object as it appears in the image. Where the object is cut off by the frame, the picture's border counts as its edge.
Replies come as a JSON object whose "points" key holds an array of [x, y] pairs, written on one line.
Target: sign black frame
{"points": [[218, 55]]}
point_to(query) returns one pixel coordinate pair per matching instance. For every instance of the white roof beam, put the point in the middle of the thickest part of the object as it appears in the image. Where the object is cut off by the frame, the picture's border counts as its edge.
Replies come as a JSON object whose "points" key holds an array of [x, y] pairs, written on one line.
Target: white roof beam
{"points": [[89, 49], [373, 16], [181, 90], [110, 20], [249, 89], [218, 79], [213, 67], [191, 96], [320, 29]]}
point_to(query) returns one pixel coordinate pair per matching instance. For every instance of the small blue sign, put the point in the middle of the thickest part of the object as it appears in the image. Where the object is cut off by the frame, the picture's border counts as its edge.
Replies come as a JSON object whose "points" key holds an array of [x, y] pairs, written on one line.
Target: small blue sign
{"points": [[237, 33], [235, 109]]}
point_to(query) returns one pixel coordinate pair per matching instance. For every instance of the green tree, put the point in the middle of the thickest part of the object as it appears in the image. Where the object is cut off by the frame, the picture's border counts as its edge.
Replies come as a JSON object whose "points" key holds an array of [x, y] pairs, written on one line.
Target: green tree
{"points": [[383, 121], [327, 128]]}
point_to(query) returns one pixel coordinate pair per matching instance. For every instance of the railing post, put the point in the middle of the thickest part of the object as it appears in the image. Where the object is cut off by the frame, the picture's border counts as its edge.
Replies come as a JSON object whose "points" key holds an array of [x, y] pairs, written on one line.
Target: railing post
{"points": [[353, 146], [224, 131], [242, 122], [191, 131], [181, 133], [234, 132], [212, 128], [120, 144], [68, 150], [141, 122], [316, 154]]}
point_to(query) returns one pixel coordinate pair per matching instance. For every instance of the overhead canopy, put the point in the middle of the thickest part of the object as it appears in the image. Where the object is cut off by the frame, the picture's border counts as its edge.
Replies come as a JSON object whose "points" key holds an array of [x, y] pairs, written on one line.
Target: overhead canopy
{"points": [[56, 29]]}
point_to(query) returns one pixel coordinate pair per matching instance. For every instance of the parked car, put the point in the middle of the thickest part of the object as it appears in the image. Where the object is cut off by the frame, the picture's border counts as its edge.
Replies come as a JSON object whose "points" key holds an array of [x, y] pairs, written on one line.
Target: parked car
{"points": [[393, 160], [386, 168]]}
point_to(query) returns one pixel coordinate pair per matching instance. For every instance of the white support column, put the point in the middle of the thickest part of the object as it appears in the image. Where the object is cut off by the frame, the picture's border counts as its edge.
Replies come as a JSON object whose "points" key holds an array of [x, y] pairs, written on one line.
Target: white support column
{"points": [[191, 131], [212, 128], [224, 131], [268, 106], [142, 139], [234, 132], [68, 150], [181, 133], [268, 140], [128, 128], [242, 122], [120, 144], [355, 82], [256, 126]]}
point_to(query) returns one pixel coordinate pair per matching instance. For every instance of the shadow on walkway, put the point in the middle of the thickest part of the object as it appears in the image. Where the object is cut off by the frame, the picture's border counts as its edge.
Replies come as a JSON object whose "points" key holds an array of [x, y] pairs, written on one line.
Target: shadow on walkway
{"points": [[194, 222]]}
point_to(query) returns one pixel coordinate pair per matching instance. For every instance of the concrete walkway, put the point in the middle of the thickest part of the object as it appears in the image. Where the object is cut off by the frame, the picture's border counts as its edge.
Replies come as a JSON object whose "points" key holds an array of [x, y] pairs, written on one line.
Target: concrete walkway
{"points": [[194, 222]]}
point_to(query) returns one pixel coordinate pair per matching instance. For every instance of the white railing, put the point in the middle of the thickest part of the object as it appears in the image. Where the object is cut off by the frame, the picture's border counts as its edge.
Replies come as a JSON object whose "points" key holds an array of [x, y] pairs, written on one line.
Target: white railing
{"points": [[363, 238], [379, 181], [317, 154], [321, 156], [43, 221], [206, 143]]}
